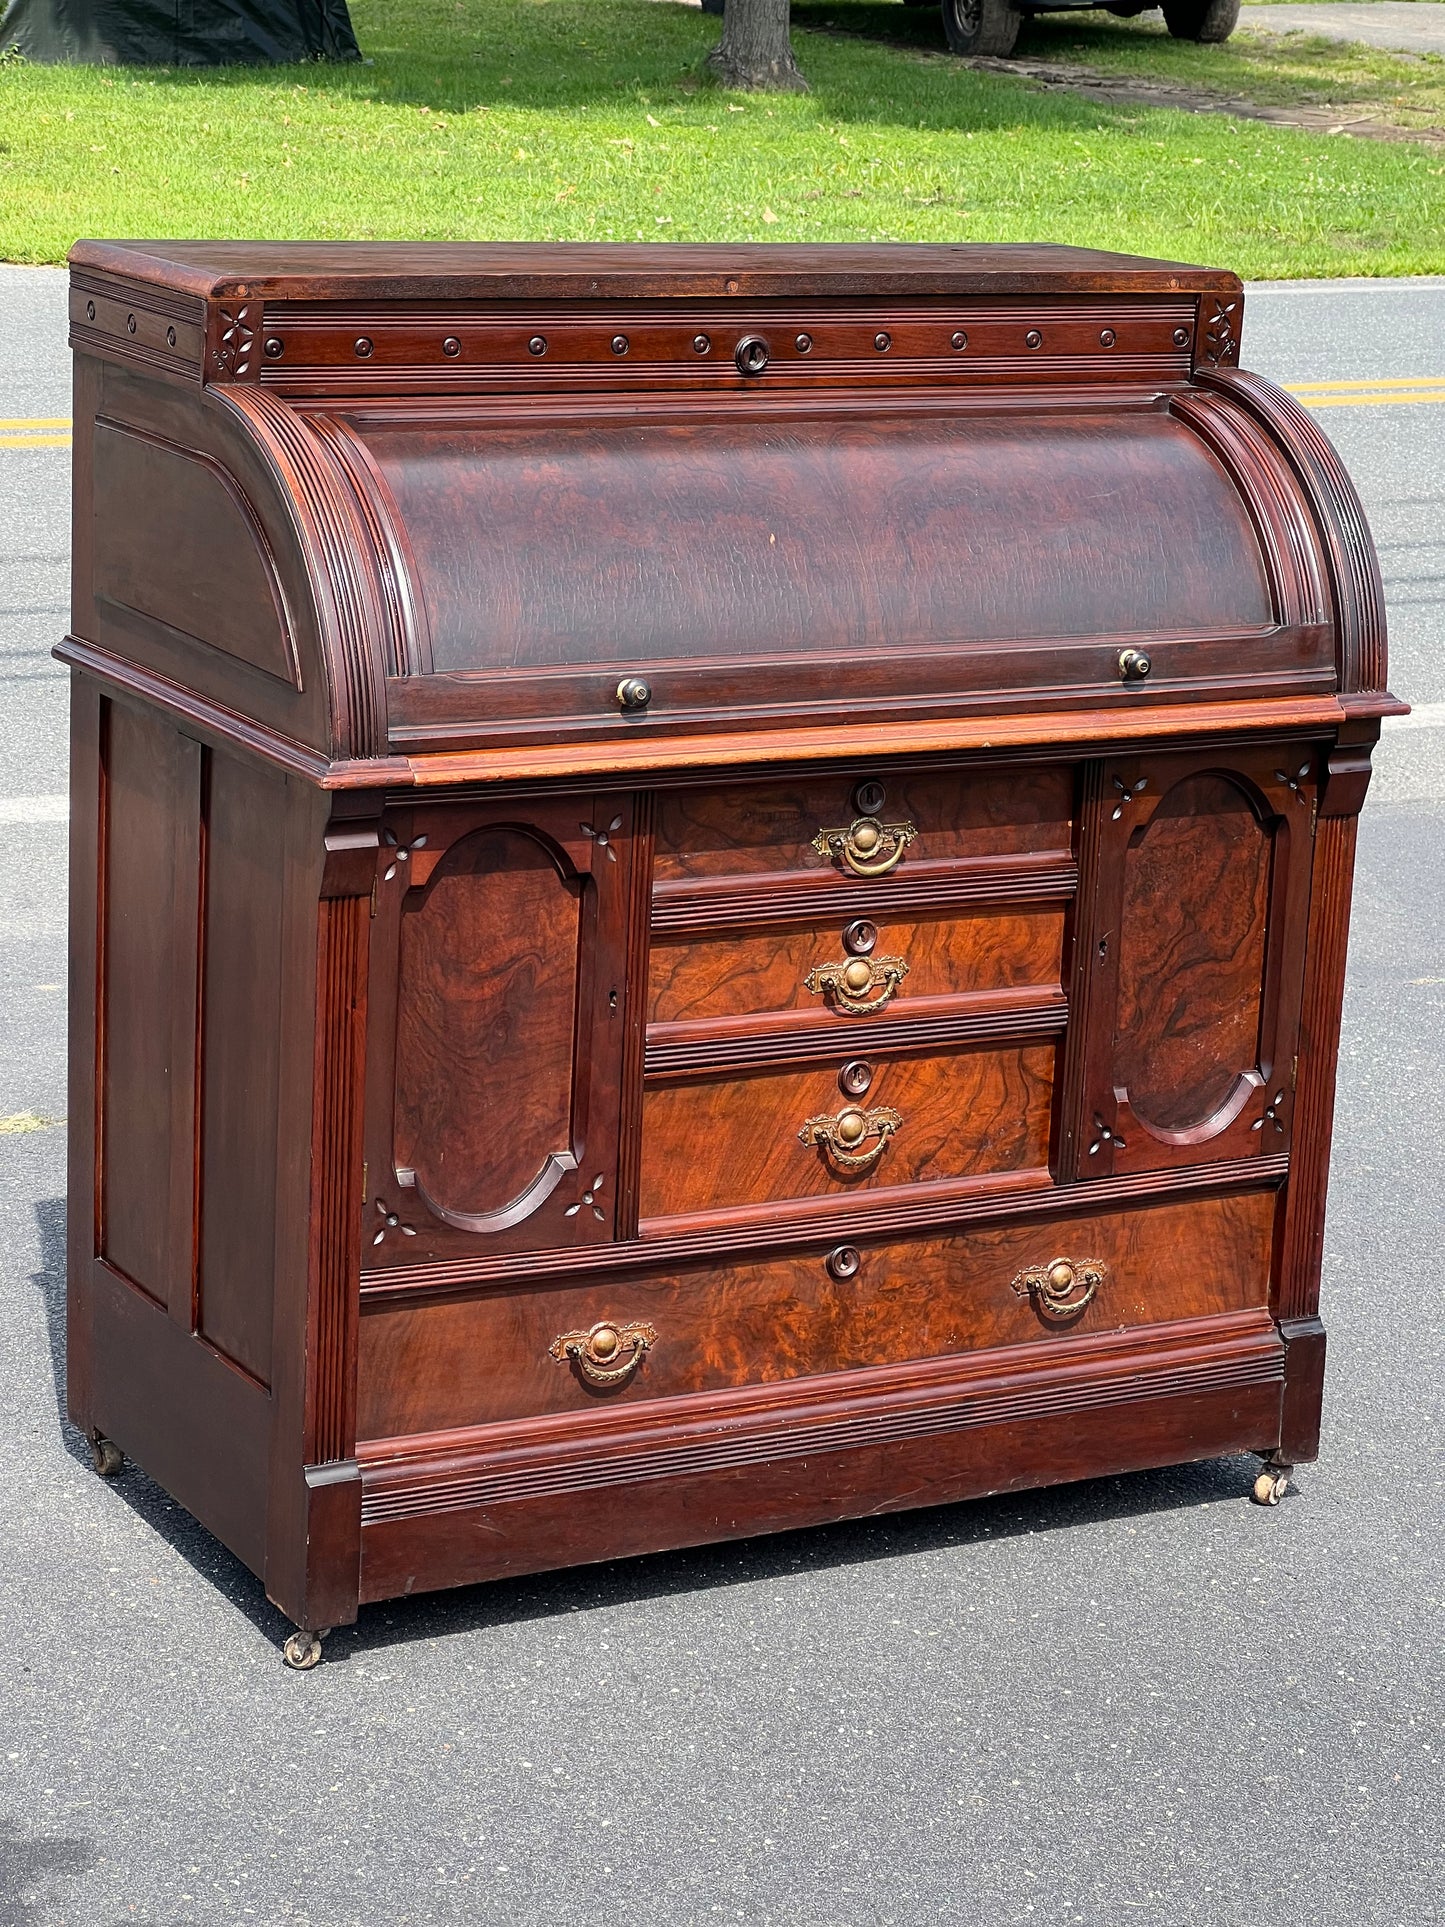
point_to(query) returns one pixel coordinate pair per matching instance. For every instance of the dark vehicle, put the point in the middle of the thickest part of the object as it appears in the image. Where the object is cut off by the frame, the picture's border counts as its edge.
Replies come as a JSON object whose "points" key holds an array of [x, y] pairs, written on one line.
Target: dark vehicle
{"points": [[992, 26]]}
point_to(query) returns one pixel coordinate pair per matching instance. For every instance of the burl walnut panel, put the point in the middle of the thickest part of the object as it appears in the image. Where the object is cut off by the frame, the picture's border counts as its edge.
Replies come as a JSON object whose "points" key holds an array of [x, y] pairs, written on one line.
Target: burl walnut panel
{"points": [[740, 829], [718, 1143], [469, 1361], [485, 1022], [756, 971], [1192, 952]]}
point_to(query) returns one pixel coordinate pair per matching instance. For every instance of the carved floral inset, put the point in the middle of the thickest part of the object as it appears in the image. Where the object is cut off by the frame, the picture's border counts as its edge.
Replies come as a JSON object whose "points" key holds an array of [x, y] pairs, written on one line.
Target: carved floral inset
{"points": [[391, 1222], [603, 838], [1221, 340], [235, 340], [589, 1199]]}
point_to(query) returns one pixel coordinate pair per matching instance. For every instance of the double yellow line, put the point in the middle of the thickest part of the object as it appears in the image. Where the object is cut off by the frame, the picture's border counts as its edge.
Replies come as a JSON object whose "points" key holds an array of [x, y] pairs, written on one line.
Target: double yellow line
{"points": [[1391, 391], [1394, 391], [35, 431]]}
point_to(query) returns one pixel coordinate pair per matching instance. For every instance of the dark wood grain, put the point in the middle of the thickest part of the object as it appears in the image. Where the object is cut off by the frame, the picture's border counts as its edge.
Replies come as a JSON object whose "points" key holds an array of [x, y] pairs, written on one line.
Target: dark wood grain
{"points": [[151, 841], [485, 1039], [442, 1508], [429, 1005], [1191, 954], [765, 970], [479, 1360], [963, 1112], [738, 829], [241, 1064]]}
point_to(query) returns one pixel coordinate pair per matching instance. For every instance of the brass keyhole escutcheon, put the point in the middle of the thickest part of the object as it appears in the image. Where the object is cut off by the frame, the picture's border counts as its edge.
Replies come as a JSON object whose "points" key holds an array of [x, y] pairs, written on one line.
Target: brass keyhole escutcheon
{"points": [[855, 1078], [866, 847], [860, 937], [869, 797], [843, 1262]]}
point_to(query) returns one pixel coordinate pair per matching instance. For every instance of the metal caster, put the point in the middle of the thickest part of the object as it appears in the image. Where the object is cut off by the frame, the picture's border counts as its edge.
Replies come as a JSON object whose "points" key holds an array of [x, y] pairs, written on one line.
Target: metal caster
{"points": [[1272, 1484], [302, 1651], [106, 1456]]}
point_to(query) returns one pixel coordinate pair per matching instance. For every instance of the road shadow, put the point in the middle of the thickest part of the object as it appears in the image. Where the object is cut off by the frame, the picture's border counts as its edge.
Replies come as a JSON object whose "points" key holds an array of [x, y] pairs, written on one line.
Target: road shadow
{"points": [[33, 1870], [569, 55]]}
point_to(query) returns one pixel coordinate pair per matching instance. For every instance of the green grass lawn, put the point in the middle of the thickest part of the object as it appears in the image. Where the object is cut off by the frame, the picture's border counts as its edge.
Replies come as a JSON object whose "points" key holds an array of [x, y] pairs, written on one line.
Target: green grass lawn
{"points": [[586, 120]]}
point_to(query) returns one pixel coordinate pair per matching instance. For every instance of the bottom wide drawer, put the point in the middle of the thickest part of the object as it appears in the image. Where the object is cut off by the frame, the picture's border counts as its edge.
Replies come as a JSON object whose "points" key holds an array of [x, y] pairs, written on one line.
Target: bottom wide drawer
{"points": [[518, 1353]]}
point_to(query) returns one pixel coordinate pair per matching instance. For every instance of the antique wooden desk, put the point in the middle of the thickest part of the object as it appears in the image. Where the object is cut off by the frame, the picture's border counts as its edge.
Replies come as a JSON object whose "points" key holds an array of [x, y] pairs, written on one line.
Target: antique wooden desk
{"points": [[710, 889]]}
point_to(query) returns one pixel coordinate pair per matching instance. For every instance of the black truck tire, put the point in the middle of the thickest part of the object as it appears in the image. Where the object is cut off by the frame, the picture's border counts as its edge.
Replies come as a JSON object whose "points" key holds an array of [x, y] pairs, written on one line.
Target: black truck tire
{"points": [[1207, 20], [983, 26]]}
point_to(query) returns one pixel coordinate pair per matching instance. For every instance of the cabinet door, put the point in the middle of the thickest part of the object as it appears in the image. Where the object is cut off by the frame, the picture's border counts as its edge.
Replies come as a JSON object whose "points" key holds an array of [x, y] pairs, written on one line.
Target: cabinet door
{"points": [[1198, 928], [496, 1024]]}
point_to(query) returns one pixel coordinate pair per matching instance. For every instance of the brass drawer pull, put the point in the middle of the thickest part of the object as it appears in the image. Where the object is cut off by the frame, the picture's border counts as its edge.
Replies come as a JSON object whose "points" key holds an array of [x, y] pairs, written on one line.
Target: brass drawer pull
{"points": [[1053, 1286], [595, 1353], [849, 984], [851, 1127], [866, 847]]}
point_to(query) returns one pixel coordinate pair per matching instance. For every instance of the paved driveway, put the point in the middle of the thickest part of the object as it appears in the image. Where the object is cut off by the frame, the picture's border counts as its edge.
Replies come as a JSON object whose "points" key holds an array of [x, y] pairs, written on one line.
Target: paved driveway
{"points": [[1406, 26], [1140, 1699]]}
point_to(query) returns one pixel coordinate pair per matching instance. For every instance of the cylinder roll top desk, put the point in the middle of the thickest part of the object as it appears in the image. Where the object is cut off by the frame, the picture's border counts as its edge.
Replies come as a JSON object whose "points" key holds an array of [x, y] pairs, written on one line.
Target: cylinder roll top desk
{"points": [[710, 890]]}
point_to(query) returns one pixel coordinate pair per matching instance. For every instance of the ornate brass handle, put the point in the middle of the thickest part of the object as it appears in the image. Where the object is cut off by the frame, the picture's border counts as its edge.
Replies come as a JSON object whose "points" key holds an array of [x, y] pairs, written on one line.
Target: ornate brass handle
{"points": [[847, 984], [596, 1352], [1053, 1287], [839, 1135], [867, 847]]}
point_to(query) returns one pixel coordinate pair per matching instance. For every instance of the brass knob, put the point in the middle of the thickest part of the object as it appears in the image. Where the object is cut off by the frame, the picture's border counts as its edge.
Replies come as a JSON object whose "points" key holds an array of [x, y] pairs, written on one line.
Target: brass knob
{"points": [[592, 1352], [847, 985], [1063, 1287], [866, 847], [837, 1135]]}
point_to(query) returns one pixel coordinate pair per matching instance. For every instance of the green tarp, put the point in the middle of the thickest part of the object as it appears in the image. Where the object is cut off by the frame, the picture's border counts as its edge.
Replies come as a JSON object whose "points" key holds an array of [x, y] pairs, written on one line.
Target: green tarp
{"points": [[177, 33]]}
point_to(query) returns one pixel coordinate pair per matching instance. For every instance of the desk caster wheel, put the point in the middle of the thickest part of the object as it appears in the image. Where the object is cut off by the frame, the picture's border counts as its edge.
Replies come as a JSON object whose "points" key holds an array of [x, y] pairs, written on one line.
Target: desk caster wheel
{"points": [[302, 1651], [1272, 1484], [106, 1456]]}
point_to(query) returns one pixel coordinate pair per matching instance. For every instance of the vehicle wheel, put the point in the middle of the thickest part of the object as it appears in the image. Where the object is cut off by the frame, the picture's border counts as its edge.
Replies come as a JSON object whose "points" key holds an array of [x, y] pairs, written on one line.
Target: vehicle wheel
{"points": [[1201, 19], [982, 26]]}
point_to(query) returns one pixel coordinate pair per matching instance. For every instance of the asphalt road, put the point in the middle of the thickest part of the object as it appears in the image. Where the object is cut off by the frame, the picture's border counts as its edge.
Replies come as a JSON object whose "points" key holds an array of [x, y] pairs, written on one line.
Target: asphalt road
{"points": [[1141, 1699], [1403, 26]]}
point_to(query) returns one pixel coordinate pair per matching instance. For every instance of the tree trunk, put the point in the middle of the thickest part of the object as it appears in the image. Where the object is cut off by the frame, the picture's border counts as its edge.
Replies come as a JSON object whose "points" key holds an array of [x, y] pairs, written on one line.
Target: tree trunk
{"points": [[755, 53]]}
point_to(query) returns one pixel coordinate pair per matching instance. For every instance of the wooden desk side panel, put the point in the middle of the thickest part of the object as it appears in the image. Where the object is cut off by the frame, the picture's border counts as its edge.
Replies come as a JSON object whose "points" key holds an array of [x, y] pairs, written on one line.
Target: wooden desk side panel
{"points": [[192, 1010]]}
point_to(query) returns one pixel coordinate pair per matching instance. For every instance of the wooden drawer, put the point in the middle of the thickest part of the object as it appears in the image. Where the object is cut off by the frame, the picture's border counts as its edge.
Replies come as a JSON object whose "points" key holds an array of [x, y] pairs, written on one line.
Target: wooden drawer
{"points": [[764, 970], [711, 1144], [755, 828], [460, 1362]]}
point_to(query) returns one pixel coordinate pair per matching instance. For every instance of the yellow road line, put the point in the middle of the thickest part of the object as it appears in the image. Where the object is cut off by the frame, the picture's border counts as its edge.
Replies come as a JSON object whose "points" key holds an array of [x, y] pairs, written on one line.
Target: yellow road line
{"points": [[1385, 381], [1389, 391], [1368, 401]]}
